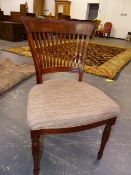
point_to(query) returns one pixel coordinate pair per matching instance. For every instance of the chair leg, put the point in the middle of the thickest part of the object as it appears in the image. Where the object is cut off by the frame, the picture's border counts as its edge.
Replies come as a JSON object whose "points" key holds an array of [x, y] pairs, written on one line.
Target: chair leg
{"points": [[41, 146], [80, 75], [35, 136], [105, 137], [108, 35]]}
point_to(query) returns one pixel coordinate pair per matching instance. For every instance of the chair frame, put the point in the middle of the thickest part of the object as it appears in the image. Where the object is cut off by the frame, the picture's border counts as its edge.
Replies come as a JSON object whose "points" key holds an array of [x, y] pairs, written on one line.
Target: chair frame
{"points": [[82, 28]]}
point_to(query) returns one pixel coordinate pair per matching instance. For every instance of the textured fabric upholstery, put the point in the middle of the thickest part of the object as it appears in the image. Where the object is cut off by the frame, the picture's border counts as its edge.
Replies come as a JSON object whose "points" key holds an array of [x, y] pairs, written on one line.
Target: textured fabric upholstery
{"points": [[61, 103]]}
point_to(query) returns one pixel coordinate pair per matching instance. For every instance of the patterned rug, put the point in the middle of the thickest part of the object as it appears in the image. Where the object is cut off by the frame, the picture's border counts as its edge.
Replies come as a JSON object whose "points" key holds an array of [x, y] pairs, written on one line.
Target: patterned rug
{"points": [[11, 74], [102, 60]]}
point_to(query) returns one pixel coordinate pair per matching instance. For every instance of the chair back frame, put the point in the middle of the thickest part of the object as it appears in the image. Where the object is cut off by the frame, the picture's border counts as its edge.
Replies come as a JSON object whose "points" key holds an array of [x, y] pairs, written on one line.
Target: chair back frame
{"points": [[58, 45]]}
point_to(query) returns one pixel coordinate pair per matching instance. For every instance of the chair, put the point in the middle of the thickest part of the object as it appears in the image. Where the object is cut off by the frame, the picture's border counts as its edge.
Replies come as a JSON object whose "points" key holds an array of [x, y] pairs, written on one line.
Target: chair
{"points": [[97, 24], [106, 29], [63, 105]]}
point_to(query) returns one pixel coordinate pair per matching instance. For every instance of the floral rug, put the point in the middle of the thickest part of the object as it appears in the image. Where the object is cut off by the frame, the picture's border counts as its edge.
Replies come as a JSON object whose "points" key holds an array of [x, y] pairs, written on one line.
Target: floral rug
{"points": [[11, 74], [102, 60]]}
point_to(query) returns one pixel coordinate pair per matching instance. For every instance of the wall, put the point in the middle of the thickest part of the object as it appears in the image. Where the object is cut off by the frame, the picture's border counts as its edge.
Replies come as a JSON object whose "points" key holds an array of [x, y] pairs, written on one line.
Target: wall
{"points": [[49, 7], [78, 7], [14, 5], [110, 10]]}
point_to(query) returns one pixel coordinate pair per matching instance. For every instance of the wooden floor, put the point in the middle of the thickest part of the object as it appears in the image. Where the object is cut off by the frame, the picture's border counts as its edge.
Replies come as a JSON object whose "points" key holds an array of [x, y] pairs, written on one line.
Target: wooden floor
{"points": [[68, 154]]}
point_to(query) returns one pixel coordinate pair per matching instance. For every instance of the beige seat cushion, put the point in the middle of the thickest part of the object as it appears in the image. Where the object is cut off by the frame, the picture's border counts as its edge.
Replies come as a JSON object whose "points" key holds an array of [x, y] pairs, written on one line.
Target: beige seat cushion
{"points": [[61, 103]]}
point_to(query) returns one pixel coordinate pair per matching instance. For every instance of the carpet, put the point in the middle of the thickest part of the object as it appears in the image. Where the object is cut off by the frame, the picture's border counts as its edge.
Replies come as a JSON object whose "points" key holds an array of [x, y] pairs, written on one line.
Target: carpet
{"points": [[102, 60], [11, 74]]}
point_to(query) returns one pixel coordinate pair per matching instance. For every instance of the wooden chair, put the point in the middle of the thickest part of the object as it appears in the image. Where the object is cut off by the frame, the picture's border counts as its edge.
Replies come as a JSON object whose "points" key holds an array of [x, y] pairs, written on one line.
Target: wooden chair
{"points": [[63, 105], [97, 24]]}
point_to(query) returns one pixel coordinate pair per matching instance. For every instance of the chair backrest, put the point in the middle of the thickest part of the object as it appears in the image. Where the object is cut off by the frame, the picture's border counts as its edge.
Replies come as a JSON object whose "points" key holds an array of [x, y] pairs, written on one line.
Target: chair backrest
{"points": [[107, 26], [57, 45]]}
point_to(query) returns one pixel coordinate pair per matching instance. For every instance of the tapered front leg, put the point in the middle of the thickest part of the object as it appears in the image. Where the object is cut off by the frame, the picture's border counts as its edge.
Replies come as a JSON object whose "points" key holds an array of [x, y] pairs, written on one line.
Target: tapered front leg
{"points": [[105, 137], [35, 136]]}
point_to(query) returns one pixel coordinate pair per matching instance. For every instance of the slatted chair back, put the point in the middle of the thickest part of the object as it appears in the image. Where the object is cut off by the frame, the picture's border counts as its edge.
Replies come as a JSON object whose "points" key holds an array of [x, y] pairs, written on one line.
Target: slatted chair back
{"points": [[107, 27], [58, 45]]}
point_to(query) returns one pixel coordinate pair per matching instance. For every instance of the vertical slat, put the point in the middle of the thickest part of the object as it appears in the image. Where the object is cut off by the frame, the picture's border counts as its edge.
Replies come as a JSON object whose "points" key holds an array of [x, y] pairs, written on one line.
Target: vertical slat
{"points": [[49, 50], [70, 54], [85, 49], [73, 55], [37, 46], [41, 50], [68, 59], [57, 49], [61, 50], [77, 48], [53, 49], [81, 47], [81, 44], [64, 50], [45, 49], [36, 39]]}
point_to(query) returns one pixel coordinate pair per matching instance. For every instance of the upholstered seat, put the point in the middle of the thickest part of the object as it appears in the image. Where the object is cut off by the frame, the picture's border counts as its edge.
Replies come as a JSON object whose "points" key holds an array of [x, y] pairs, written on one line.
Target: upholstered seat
{"points": [[62, 103]]}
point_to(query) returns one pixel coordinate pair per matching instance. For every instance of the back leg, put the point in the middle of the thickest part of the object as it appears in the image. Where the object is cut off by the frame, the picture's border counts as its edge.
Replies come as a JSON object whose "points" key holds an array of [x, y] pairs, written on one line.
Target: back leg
{"points": [[105, 137]]}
